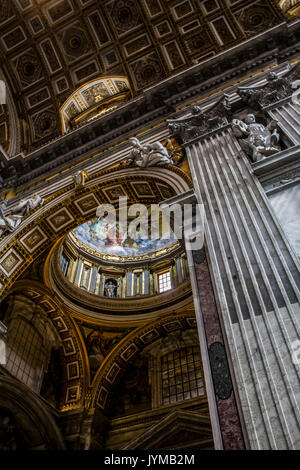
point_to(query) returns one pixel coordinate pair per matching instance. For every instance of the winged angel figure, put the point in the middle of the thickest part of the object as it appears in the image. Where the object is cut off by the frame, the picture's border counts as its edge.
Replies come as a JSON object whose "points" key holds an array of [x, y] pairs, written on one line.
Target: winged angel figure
{"points": [[10, 221], [147, 155]]}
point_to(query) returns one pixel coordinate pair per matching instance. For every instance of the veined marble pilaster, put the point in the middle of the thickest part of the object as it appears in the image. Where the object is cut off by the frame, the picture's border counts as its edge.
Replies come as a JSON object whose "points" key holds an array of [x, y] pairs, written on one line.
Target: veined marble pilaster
{"points": [[256, 279]]}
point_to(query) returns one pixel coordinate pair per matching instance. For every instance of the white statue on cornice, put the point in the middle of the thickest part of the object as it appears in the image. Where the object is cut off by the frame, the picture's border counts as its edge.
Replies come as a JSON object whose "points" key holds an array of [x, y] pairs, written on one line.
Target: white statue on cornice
{"points": [[148, 155], [79, 178], [27, 205], [11, 220], [8, 223], [257, 140]]}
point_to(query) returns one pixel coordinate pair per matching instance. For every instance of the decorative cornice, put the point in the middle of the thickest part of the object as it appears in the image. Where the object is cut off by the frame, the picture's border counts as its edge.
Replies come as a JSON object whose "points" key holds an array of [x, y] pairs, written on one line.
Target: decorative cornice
{"points": [[88, 302], [279, 171], [280, 159], [157, 102]]}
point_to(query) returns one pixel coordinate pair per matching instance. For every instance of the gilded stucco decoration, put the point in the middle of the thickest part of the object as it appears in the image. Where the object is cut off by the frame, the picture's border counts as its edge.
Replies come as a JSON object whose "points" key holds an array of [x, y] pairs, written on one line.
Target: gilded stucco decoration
{"points": [[69, 208], [50, 49], [92, 99]]}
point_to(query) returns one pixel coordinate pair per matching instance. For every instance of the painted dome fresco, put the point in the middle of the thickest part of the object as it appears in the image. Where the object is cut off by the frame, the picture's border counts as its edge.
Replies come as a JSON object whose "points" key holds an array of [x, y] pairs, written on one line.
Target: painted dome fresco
{"points": [[110, 239]]}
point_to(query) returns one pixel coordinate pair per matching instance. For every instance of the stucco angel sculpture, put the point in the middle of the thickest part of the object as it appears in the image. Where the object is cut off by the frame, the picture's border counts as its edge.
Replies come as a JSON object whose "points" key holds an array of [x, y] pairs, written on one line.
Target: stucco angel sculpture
{"points": [[10, 221], [145, 156], [257, 140], [27, 205]]}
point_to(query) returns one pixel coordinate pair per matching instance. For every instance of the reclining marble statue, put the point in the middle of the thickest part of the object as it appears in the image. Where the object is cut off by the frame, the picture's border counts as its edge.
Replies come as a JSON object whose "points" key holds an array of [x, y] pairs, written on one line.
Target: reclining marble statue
{"points": [[148, 155], [257, 140], [10, 220]]}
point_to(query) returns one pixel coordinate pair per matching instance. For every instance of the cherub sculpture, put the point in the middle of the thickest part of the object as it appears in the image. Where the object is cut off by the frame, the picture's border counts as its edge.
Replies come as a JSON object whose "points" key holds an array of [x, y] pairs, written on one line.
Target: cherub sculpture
{"points": [[257, 140]]}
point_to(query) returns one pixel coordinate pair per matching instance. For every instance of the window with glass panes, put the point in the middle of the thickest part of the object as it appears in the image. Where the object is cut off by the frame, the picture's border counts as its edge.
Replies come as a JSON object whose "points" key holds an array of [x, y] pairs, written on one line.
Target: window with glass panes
{"points": [[181, 375], [25, 353], [64, 263], [164, 282]]}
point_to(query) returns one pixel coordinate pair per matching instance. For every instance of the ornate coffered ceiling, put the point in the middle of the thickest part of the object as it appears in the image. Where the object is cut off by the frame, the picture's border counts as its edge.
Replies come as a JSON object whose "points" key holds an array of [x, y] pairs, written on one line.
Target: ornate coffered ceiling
{"points": [[51, 48], [292, 7]]}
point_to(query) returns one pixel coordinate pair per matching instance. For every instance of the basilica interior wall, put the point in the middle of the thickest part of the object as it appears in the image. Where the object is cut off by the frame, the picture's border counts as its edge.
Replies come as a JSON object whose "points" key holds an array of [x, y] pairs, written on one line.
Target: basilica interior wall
{"points": [[170, 348]]}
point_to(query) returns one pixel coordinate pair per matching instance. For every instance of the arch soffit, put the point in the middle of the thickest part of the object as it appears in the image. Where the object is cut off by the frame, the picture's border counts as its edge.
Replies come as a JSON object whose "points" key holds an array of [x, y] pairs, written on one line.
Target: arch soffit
{"points": [[19, 400], [116, 362], [75, 361], [68, 208]]}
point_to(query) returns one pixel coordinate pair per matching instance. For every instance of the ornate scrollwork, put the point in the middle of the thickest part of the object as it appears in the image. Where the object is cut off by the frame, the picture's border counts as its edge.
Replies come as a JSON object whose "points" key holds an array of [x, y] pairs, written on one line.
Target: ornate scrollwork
{"points": [[201, 122], [276, 89], [176, 152]]}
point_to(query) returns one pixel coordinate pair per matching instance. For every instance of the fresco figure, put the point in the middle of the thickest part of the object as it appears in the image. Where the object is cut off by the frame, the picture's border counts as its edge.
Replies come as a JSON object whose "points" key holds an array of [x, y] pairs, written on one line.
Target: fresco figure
{"points": [[98, 347]]}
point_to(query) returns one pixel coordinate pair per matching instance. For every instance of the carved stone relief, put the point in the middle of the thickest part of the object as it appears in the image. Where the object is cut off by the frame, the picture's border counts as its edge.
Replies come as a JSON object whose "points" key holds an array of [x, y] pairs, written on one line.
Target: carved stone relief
{"points": [[277, 88], [11, 220]]}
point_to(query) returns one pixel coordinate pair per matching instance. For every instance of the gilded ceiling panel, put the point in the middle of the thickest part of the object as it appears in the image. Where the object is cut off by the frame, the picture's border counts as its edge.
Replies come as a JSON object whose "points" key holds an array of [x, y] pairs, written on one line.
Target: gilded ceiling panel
{"points": [[49, 49]]}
